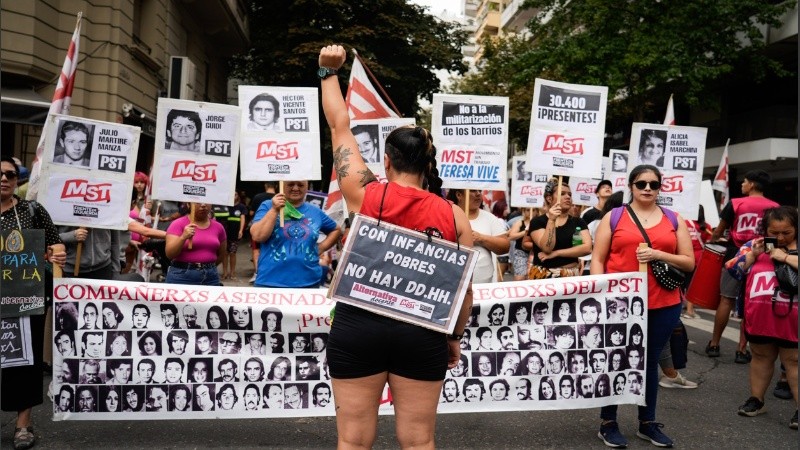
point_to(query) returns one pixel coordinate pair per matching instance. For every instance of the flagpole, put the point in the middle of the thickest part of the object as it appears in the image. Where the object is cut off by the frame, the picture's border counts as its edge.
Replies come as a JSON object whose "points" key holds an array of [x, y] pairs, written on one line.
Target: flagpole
{"points": [[376, 83]]}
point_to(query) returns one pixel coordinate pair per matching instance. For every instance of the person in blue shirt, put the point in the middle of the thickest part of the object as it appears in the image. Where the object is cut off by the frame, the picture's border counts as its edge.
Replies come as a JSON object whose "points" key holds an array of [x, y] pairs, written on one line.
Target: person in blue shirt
{"points": [[289, 254]]}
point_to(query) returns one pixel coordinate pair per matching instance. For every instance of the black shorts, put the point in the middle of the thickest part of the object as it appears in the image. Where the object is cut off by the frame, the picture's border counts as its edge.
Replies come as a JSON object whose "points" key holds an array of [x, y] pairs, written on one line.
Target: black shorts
{"points": [[362, 343], [769, 340]]}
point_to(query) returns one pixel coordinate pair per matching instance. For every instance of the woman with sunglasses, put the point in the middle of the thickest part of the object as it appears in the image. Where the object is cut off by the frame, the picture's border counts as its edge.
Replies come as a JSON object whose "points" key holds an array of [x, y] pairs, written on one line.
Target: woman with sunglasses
{"points": [[770, 312], [22, 385], [623, 254], [549, 237]]}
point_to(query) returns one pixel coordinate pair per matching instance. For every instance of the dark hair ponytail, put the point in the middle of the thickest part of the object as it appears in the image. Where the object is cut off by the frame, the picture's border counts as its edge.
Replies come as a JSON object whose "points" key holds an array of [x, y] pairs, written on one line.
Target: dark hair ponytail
{"points": [[411, 150]]}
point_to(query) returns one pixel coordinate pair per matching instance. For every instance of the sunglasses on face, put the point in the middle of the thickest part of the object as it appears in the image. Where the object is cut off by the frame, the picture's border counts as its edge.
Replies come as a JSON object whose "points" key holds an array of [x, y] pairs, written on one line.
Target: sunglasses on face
{"points": [[641, 185], [10, 174]]}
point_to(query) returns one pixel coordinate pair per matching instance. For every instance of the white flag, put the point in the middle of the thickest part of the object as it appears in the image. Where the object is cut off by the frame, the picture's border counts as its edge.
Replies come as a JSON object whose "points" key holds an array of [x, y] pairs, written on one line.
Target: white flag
{"points": [[62, 98], [669, 118], [720, 182]]}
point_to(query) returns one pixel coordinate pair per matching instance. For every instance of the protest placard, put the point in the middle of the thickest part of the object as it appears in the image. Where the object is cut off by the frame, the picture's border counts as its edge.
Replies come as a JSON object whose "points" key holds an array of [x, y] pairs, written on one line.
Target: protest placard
{"points": [[87, 174], [471, 135], [567, 128], [418, 278], [15, 342], [196, 151], [371, 139], [22, 267], [583, 190], [280, 133], [527, 188], [679, 153], [208, 352], [617, 172]]}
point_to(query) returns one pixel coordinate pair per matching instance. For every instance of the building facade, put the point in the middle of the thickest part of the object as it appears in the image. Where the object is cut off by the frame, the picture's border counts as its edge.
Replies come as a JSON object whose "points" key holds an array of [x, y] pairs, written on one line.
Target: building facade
{"points": [[130, 51]]}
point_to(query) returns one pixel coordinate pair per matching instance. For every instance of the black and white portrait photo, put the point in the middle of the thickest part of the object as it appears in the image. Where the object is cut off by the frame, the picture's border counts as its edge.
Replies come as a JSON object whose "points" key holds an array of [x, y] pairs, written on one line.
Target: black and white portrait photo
{"points": [[652, 146], [619, 163], [184, 130], [265, 112], [522, 173], [367, 140], [74, 144], [118, 343]]}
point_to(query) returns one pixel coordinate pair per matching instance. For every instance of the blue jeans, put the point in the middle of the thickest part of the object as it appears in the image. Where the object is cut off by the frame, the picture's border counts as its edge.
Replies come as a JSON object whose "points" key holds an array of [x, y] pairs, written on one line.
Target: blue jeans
{"points": [[197, 277], [660, 323]]}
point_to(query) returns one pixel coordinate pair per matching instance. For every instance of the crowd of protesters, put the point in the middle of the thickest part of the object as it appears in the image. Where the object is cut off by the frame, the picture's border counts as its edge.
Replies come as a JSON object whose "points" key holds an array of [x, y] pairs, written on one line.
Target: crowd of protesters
{"points": [[193, 242]]}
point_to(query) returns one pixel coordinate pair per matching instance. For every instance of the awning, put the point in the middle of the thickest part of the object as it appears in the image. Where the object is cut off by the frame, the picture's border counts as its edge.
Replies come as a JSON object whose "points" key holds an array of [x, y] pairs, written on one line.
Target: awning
{"points": [[23, 106]]}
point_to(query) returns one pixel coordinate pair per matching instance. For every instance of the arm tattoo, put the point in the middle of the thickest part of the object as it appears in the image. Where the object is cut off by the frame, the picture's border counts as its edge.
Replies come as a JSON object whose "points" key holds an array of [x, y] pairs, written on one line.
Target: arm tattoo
{"points": [[550, 234], [367, 177], [341, 161]]}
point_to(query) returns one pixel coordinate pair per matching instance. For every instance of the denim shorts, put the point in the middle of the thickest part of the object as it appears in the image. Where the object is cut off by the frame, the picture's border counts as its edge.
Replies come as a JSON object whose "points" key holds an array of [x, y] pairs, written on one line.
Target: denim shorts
{"points": [[197, 277]]}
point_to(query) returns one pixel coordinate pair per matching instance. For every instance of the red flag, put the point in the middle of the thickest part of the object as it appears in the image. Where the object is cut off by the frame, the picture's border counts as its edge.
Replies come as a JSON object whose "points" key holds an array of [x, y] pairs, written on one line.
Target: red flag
{"points": [[720, 182], [669, 118], [62, 98], [363, 101]]}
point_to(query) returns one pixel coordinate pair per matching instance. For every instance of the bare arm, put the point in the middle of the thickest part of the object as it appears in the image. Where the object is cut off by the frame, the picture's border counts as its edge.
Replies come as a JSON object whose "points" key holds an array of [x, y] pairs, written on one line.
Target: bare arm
{"points": [[222, 251], [261, 230], [721, 227], [330, 240], [137, 227], [496, 244], [576, 251], [174, 245], [351, 172], [464, 235], [602, 246], [517, 232]]}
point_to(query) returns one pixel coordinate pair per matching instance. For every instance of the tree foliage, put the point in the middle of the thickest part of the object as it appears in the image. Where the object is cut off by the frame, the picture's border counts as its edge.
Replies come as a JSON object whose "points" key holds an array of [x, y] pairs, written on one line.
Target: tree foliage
{"points": [[643, 50], [401, 43]]}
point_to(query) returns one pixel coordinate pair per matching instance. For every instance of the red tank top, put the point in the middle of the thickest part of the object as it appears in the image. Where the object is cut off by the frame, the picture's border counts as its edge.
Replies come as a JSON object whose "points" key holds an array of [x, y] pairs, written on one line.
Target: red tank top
{"points": [[410, 208], [622, 256], [747, 214]]}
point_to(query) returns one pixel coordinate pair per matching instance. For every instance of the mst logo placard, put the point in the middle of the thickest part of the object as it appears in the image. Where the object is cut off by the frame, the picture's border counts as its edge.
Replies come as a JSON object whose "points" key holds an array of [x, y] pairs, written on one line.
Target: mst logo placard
{"points": [[189, 170], [672, 184], [79, 189], [560, 143], [532, 190], [278, 151]]}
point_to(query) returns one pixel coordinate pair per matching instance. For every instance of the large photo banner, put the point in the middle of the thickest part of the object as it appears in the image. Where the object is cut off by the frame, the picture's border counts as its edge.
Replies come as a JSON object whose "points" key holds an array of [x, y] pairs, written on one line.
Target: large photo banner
{"points": [[527, 188], [567, 128], [196, 151], [679, 152], [280, 133], [87, 171], [371, 138], [471, 135], [128, 350]]}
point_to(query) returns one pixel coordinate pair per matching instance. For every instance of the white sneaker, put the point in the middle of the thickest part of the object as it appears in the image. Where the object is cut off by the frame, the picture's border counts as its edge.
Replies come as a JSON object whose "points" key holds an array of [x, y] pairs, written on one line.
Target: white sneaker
{"points": [[253, 278], [679, 382]]}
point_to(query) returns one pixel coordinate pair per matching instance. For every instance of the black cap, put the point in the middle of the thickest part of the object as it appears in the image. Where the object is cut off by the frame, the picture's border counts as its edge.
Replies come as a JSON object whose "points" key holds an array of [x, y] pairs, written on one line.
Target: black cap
{"points": [[601, 184]]}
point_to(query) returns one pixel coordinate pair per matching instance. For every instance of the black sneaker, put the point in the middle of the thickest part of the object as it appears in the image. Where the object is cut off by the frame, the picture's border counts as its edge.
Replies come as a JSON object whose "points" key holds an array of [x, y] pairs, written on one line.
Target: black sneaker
{"points": [[782, 391], [793, 421], [712, 350], [743, 357], [752, 407], [610, 435]]}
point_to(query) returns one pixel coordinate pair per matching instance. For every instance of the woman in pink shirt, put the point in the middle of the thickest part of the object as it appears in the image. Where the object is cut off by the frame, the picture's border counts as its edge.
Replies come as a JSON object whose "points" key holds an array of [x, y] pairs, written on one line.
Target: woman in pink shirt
{"points": [[196, 263]]}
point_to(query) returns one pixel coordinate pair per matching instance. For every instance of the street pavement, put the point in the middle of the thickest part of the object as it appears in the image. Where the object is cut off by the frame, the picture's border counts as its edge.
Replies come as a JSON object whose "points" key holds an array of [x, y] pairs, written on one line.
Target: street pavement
{"points": [[702, 418]]}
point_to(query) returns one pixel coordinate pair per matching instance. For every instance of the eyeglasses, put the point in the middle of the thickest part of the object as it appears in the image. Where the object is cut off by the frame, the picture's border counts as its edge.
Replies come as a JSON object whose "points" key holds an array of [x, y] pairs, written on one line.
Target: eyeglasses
{"points": [[10, 174], [654, 185], [226, 342]]}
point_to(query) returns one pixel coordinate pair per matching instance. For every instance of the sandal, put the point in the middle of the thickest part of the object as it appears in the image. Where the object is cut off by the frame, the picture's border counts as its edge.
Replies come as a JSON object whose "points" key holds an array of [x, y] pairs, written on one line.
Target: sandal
{"points": [[24, 438]]}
